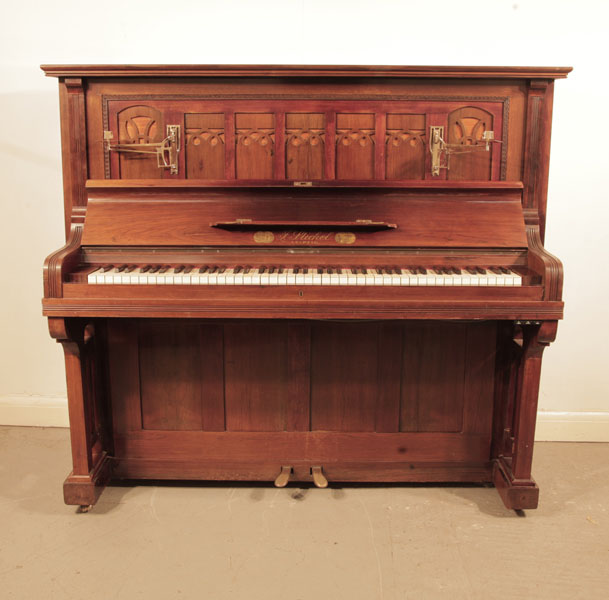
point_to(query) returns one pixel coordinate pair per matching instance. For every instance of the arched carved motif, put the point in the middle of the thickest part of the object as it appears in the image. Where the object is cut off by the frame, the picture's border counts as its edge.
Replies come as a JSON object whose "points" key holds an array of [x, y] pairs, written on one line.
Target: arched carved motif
{"points": [[139, 125], [305, 153], [198, 137], [346, 137], [466, 126], [254, 156], [262, 137], [405, 154], [412, 137], [299, 137], [205, 153], [355, 153]]}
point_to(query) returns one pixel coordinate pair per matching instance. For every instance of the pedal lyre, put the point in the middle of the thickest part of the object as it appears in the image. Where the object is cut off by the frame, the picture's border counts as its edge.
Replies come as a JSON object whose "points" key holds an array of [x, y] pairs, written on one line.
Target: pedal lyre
{"points": [[319, 479], [283, 477]]}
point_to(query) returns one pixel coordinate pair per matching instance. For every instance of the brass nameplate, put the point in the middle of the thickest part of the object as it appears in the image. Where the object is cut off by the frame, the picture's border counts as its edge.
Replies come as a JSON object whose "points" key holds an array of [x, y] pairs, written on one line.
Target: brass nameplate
{"points": [[264, 237], [345, 238], [305, 237]]}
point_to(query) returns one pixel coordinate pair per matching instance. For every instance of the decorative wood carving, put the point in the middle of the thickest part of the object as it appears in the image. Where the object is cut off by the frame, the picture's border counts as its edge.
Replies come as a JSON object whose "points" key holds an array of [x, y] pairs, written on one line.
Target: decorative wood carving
{"points": [[139, 125], [466, 126], [370, 384]]}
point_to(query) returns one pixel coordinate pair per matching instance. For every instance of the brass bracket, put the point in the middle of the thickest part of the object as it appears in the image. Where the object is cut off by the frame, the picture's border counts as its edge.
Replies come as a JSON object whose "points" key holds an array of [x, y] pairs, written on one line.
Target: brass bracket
{"points": [[166, 151], [439, 148]]}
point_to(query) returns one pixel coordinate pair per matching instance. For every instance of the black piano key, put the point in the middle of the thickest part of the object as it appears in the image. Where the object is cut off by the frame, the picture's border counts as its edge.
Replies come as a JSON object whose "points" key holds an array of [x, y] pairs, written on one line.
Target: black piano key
{"points": [[203, 269], [107, 268], [247, 269], [271, 270], [130, 268], [187, 270], [221, 269], [164, 269], [280, 269], [504, 270], [480, 271], [154, 269], [238, 269], [213, 270], [121, 268], [179, 269], [261, 270], [456, 270], [471, 270], [146, 268], [496, 270]]}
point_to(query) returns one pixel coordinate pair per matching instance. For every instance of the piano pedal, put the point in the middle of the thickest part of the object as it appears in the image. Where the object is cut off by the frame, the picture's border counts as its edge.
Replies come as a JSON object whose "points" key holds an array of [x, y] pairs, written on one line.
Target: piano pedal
{"points": [[319, 479], [84, 508], [283, 477]]}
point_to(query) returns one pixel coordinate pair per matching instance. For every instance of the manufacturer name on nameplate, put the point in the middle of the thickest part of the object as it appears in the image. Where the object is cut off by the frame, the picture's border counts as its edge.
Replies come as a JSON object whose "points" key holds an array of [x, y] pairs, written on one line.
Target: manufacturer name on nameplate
{"points": [[304, 237]]}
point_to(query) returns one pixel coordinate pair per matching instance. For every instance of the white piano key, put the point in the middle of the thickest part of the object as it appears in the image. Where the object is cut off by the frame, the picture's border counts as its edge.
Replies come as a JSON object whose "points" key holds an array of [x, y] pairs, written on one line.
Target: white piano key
{"points": [[229, 276], [282, 278], [308, 276], [405, 277], [343, 278], [377, 277], [92, 277], [316, 277], [273, 278], [351, 277], [369, 277], [334, 277], [238, 278], [300, 277], [360, 278]]}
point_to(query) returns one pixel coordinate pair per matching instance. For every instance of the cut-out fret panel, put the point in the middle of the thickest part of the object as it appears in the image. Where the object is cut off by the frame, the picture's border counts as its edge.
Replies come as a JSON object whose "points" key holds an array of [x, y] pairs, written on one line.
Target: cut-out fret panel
{"points": [[405, 141], [139, 125], [305, 146], [301, 141], [355, 146], [205, 145], [466, 126], [254, 141]]}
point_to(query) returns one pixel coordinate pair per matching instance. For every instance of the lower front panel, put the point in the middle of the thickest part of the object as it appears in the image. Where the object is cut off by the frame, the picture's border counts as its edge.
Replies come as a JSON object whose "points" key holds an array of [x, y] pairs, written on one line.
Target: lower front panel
{"points": [[367, 401]]}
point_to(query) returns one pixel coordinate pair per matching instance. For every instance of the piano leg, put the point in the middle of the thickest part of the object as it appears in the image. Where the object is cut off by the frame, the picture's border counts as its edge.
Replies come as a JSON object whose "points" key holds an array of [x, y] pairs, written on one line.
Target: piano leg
{"points": [[90, 459], [512, 470]]}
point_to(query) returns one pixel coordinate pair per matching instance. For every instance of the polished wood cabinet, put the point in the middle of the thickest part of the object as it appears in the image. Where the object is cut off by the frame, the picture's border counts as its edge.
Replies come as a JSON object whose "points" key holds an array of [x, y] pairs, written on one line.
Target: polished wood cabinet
{"points": [[284, 273]]}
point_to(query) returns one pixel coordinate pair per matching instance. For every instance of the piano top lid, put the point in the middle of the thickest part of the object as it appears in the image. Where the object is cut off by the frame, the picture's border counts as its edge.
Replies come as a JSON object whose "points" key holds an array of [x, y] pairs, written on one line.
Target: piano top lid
{"points": [[338, 71]]}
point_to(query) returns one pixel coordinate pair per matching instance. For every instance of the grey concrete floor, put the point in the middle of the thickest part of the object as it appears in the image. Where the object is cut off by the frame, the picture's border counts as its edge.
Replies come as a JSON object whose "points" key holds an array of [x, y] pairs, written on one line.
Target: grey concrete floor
{"points": [[248, 542]]}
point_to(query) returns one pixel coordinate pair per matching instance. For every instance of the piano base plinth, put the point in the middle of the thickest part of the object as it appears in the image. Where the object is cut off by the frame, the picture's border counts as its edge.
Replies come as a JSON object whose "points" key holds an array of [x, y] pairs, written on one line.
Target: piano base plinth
{"points": [[85, 490], [516, 494]]}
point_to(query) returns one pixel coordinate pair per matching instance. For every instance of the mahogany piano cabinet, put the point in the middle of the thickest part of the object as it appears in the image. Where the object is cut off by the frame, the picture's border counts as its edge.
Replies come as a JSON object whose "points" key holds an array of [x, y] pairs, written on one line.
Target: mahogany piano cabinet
{"points": [[304, 273]]}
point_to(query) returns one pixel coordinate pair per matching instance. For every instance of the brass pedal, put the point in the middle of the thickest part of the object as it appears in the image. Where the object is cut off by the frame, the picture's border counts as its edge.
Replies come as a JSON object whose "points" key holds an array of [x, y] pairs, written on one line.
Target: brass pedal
{"points": [[319, 479], [283, 477]]}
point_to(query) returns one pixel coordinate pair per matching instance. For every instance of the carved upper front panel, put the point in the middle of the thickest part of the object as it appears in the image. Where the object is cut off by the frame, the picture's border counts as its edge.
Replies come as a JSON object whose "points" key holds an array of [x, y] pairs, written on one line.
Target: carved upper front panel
{"points": [[302, 140]]}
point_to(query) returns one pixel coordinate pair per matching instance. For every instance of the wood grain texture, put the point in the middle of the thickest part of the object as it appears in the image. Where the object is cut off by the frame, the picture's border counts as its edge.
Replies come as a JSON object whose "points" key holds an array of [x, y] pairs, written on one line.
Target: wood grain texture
{"points": [[148, 217], [371, 384], [303, 71]]}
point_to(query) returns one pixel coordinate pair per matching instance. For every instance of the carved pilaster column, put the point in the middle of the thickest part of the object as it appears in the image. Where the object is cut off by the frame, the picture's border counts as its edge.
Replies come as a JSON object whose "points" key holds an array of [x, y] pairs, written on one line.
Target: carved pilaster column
{"points": [[512, 475], [90, 462]]}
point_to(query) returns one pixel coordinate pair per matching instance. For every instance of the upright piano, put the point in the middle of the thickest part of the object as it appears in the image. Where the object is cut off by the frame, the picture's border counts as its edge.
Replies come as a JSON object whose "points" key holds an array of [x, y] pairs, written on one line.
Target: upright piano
{"points": [[304, 273]]}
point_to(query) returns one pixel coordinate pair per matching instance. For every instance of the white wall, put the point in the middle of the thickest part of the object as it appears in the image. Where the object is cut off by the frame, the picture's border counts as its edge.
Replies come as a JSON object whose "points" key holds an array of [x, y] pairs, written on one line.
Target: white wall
{"points": [[546, 33]]}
